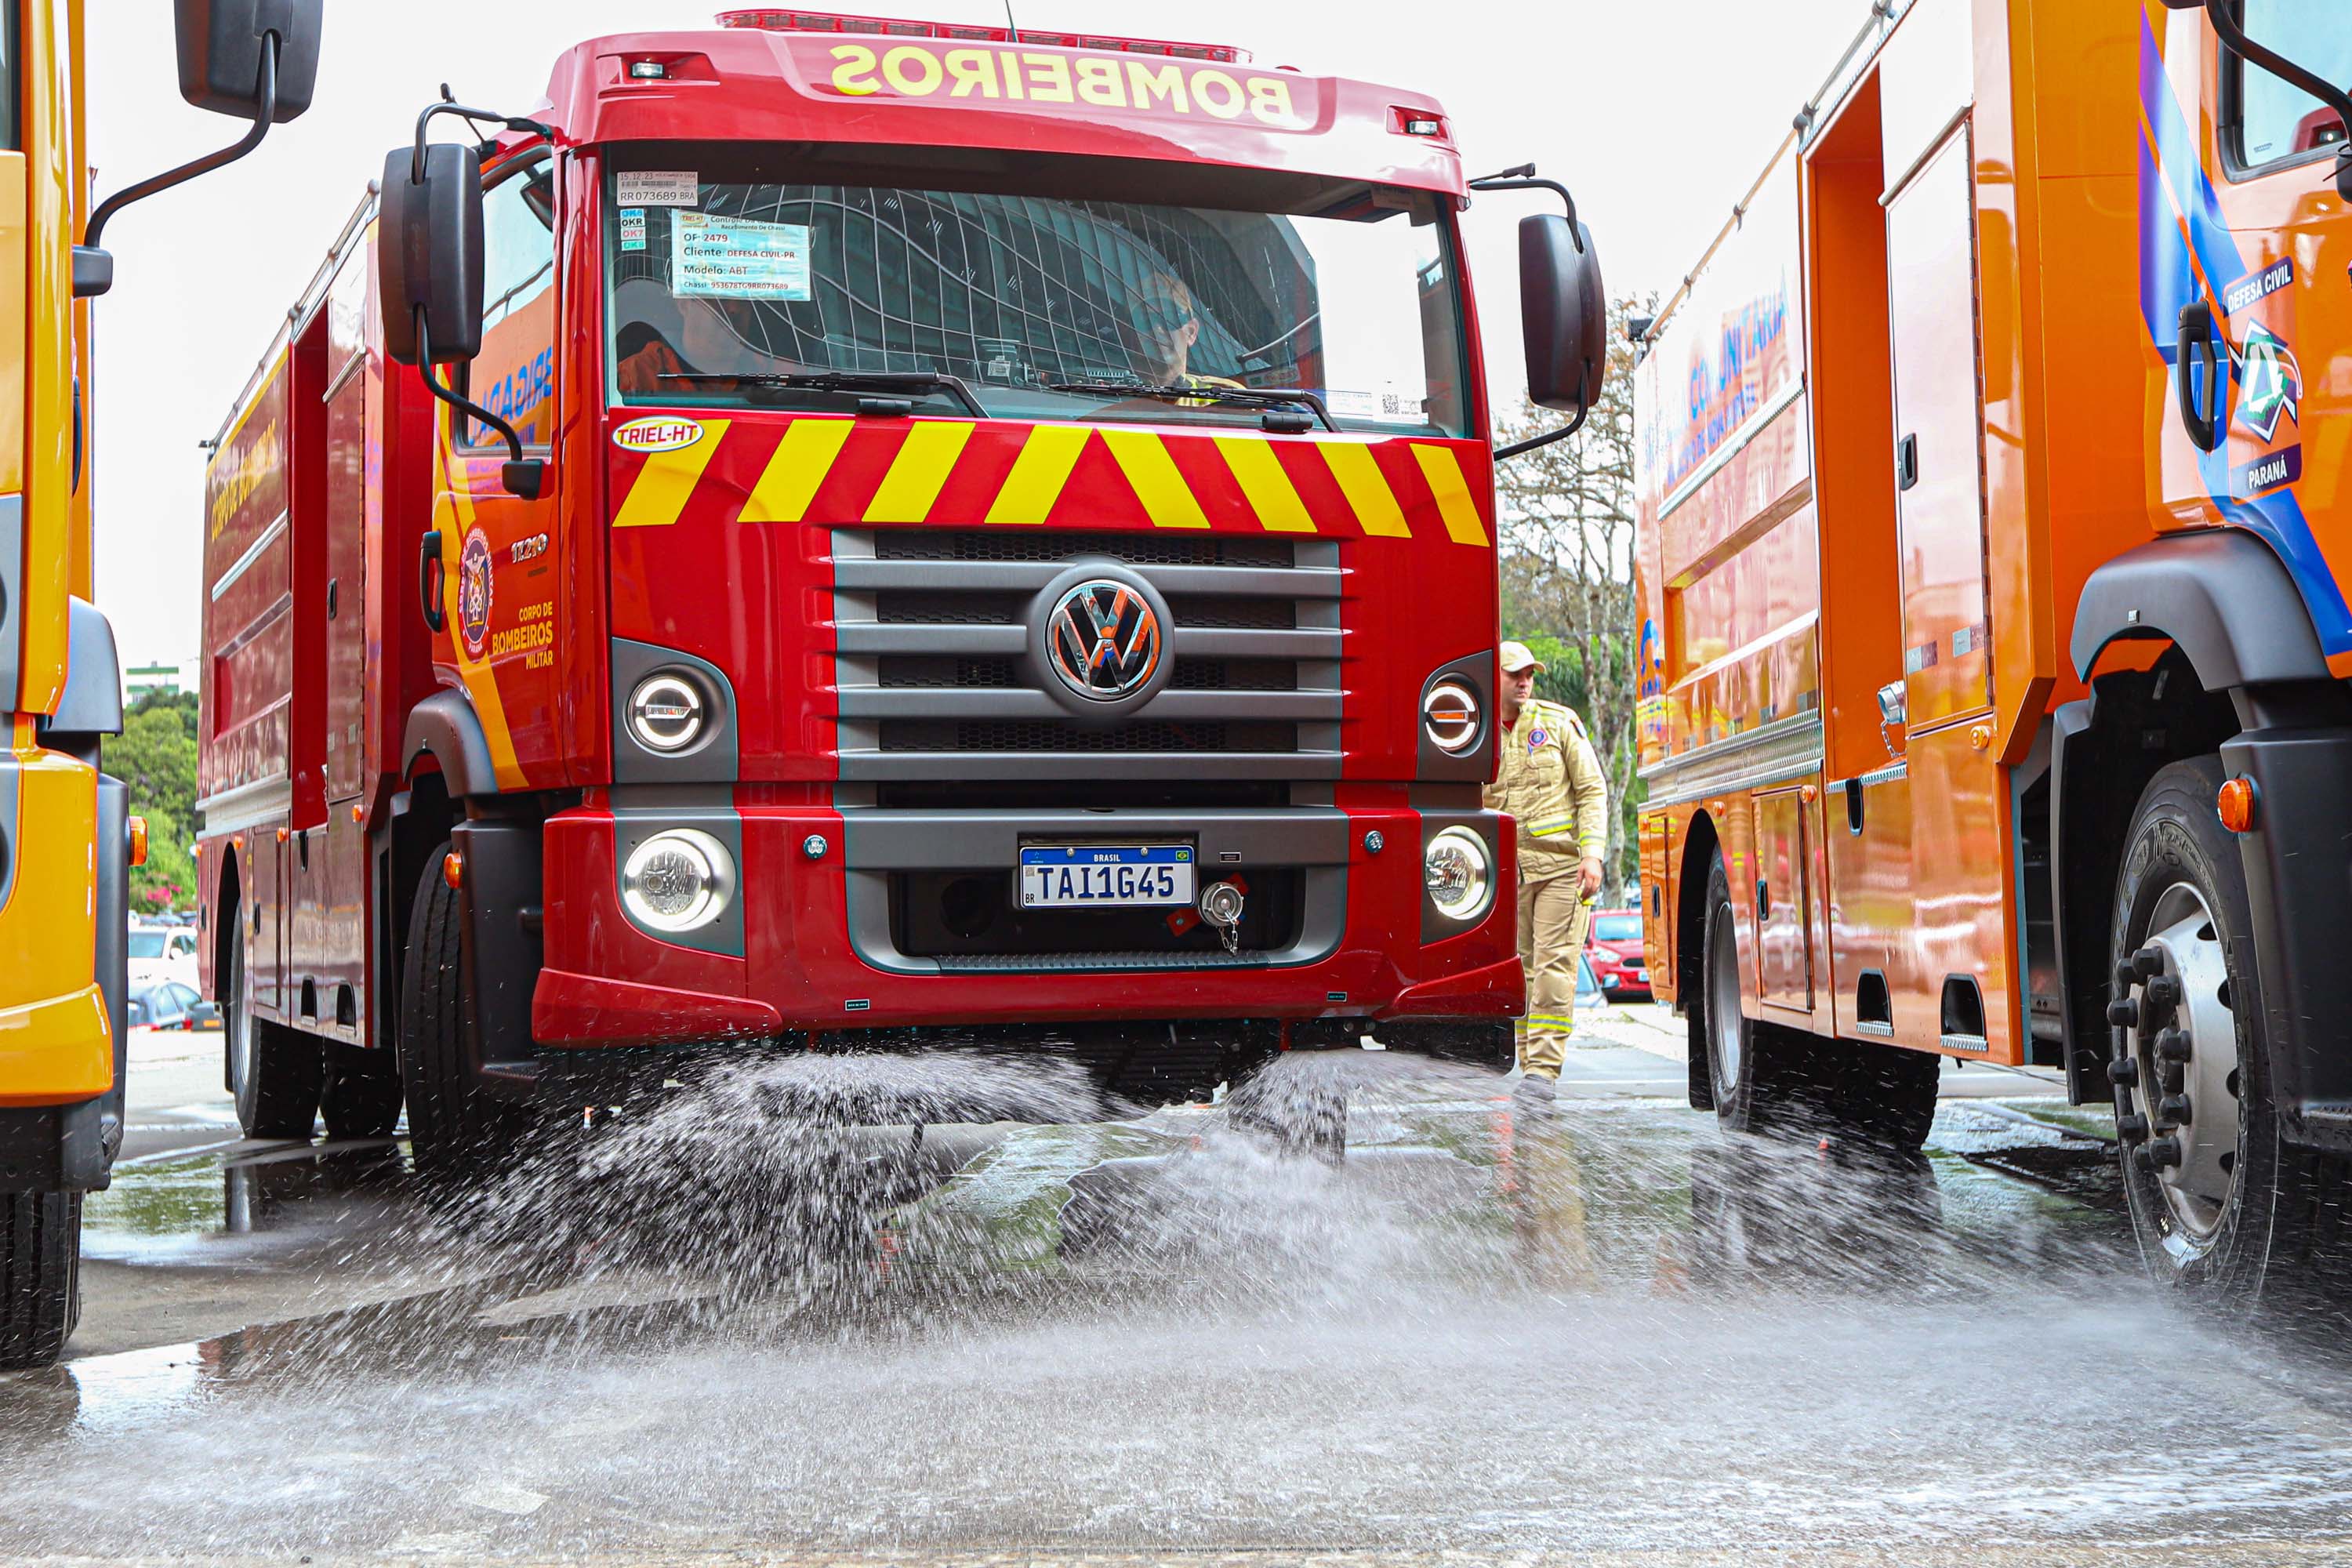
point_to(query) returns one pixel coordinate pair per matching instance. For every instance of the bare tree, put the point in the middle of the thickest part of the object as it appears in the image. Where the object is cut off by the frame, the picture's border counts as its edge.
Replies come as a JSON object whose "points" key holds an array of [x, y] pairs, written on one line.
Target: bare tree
{"points": [[1567, 513]]}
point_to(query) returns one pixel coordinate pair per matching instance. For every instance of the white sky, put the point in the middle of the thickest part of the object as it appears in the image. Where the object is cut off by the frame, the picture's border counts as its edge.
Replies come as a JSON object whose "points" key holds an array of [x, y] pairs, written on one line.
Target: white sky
{"points": [[1658, 113]]}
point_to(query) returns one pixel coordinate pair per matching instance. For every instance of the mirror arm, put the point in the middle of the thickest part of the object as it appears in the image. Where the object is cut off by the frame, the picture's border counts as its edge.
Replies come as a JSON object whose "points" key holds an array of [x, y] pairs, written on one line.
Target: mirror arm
{"points": [[1523, 178], [2235, 38], [521, 474], [264, 92], [1584, 396], [449, 106]]}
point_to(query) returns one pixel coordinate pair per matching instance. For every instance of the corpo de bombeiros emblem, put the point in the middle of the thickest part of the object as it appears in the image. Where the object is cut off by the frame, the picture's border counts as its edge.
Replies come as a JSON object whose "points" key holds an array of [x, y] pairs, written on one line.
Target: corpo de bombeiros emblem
{"points": [[1105, 640], [474, 592]]}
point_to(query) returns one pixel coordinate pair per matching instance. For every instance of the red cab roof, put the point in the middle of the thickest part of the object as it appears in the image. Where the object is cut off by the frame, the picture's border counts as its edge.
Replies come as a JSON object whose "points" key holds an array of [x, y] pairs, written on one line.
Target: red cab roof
{"points": [[1105, 97]]}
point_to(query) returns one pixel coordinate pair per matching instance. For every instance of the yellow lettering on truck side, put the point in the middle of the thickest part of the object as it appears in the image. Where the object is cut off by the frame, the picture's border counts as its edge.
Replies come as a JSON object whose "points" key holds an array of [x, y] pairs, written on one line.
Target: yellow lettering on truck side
{"points": [[1226, 103], [1012, 72], [1099, 83], [854, 74], [1166, 82], [970, 71], [899, 70], [1049, 78], [1269, 100]]}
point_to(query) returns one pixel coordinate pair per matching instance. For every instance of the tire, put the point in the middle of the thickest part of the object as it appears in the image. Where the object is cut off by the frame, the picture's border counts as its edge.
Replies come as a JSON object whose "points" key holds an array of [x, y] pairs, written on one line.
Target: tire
{"points": [[273, 1071], [40, 1276], [2222, 1207], [454, 1128], [361, 1096], [1885, 1097], [1752, 1076]]}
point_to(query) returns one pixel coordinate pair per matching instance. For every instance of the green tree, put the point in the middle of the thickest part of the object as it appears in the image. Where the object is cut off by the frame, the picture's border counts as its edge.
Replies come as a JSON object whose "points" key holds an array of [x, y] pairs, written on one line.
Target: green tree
{"points": [[156, 757], [1567, 525]]}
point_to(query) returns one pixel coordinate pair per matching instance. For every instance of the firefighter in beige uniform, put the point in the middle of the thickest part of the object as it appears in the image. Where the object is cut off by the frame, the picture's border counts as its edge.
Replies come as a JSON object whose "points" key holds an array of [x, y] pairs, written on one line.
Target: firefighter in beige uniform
{"points": [[1550, 781]]}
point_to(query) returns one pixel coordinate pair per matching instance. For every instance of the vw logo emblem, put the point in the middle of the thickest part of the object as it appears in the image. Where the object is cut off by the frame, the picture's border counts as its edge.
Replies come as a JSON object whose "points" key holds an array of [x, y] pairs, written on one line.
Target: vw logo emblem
{"points": [[1103, 640]]}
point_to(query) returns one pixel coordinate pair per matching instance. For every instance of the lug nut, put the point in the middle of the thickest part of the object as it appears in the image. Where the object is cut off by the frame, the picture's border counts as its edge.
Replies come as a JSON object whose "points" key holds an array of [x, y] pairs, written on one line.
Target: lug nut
{"points": [[2126, 975], [2132, 1127], [2147, 962], [2124, 1013], [2163, 1154], [2174, 1108], [2123, 1070], [2172, 1045], [2163, 991]]}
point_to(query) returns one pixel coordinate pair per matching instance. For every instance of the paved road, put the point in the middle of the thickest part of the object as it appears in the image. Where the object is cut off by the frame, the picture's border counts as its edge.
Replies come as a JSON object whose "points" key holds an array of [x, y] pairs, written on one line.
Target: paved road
{"points": [[1613, 1336]]}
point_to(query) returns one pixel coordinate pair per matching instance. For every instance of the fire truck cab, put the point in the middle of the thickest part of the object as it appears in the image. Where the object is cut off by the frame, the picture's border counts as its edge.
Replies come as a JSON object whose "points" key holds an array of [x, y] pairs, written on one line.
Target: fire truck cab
{"points": [[902, 532]]}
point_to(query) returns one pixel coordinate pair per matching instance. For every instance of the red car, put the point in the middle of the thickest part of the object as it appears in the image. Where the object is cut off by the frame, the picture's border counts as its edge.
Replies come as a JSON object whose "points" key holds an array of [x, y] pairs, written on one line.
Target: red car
{"points": [[1614, 947]]}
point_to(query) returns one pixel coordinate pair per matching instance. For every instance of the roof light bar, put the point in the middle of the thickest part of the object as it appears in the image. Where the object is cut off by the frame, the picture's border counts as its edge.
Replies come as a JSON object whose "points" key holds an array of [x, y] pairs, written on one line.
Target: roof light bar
{"points": [[781, 21]]}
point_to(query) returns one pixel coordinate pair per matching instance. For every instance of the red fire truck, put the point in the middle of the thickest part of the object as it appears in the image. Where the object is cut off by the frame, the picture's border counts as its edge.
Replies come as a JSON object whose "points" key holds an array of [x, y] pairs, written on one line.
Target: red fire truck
{"points": [[902, 533]]}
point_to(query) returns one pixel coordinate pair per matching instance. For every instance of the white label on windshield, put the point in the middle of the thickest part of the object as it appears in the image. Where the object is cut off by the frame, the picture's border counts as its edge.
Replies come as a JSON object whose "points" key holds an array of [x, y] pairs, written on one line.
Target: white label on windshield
{"points": [[660, 187], [737, 259], [1392, 404]]}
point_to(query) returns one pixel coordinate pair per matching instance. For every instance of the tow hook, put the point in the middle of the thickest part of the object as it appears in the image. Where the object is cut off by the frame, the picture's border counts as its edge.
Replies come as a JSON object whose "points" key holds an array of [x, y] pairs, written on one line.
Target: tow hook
{"points": [[1221, 906]]}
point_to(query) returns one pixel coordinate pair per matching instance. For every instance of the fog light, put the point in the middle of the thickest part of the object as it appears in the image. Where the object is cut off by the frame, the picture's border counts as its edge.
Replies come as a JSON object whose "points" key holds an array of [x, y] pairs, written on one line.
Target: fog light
{"points": [[666, 713], [1449, 715], [1459, 875], [679, 880]]}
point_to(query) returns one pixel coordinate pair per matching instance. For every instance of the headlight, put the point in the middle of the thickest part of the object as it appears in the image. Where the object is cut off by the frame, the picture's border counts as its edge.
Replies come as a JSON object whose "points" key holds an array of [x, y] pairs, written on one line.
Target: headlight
{"points": [[1449, 716], [1460, 877], [666, 713], [679, 880]]}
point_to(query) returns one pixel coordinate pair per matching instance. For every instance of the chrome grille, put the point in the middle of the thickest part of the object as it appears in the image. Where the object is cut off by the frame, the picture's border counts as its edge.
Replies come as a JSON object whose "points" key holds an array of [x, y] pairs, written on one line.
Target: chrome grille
{"points": [[931, 681]]}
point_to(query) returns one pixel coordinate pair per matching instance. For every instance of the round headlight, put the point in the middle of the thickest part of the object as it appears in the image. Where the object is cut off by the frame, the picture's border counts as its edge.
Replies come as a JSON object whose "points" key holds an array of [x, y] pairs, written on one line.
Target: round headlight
{"points": [[1449, 717], [1459, 875], [666, 712], [677, 880]]}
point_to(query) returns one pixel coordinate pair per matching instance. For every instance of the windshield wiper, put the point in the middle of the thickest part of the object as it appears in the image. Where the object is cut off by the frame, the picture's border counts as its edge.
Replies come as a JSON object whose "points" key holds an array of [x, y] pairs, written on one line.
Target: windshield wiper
{"points": [[1248, 396], [901, 381]]}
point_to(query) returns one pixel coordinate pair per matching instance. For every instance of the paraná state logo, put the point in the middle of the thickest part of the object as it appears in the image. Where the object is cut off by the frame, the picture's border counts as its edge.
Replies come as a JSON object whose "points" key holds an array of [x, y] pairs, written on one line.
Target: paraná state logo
{"points": [[474, 592]]}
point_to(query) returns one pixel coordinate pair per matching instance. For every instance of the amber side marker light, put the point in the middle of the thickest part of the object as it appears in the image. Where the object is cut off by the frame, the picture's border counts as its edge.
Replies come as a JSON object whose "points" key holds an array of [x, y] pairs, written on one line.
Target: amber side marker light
{"points": [[452, 870], [139, 841], [2235, 804]]}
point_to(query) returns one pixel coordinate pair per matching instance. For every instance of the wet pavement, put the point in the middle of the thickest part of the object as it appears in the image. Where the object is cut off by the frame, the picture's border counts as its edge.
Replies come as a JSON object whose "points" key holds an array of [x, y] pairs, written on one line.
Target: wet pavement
{"points": [[737, 1326]]}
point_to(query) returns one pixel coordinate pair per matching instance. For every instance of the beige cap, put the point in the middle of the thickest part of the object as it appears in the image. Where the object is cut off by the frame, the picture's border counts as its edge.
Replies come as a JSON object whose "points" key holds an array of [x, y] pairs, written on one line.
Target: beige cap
{"points": [[1518, 655]]}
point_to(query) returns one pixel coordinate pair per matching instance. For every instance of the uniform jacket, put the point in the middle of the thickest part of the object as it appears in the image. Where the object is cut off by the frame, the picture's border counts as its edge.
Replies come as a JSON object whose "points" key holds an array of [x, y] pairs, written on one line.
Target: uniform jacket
{"points": [[1551, 782]]}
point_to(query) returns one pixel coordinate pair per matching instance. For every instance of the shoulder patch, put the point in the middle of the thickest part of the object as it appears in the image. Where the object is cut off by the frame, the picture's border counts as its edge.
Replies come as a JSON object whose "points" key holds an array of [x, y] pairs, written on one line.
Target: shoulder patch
{"points": [[1577, 725]]}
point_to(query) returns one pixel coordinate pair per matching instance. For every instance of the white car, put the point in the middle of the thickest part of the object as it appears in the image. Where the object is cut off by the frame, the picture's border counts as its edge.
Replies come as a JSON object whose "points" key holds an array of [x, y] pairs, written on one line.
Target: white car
{"points": [[163, 953]]}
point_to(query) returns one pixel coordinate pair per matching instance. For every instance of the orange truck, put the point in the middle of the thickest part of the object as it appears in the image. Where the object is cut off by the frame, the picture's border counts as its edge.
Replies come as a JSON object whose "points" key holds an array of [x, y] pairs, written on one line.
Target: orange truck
{"points": [[1994, 635]]}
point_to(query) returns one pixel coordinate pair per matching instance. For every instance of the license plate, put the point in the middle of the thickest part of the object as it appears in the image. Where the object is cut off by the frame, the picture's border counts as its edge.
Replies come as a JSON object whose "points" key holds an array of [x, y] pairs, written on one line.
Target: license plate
{"points": [[1065, 876]]}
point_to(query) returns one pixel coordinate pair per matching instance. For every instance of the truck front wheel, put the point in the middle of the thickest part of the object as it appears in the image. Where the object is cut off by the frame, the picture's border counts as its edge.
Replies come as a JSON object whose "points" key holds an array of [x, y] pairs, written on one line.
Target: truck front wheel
{"points": [[40, 1276], [2219, 1202], [273, 1071], [454, 1126]]}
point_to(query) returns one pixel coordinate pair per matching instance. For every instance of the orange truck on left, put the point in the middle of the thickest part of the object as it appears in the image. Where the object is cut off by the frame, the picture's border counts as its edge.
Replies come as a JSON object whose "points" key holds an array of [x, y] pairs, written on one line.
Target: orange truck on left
{"points": [[66, 838]]}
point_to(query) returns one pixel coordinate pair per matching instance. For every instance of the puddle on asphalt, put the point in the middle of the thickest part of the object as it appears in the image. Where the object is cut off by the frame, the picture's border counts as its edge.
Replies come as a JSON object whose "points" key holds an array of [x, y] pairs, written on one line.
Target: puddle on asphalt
{"points": [[777, 1311]]}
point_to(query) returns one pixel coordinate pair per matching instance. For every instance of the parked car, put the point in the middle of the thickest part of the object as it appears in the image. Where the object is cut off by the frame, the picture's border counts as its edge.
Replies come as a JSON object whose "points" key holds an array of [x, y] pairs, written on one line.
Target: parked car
{"points": [[160, 952], [168, 1005], [1614, 947], [1588, 985]]}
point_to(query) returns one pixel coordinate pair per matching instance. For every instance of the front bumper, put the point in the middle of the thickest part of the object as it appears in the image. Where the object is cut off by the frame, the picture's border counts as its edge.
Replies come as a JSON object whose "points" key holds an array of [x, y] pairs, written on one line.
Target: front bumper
{"points": [[815, 949]]}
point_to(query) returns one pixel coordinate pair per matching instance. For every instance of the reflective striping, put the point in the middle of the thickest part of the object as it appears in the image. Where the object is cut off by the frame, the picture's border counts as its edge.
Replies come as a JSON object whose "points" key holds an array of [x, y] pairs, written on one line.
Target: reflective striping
{"points": [[1271, 494], [1453, 492], [918, 472], [1167, 499], [1366, 489], [797, 467], [667, 480], [1038, 474], [1546, 829]]}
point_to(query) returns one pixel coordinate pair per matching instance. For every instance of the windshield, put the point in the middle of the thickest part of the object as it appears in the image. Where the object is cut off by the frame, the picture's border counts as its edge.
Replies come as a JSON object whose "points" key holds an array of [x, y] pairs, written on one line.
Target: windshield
{"points": [[1617, 928], [147, 945], [1044, 307]]}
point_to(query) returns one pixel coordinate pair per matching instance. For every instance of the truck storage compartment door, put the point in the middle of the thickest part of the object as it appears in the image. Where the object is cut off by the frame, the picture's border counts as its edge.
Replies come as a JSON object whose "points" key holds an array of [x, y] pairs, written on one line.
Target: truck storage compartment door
{"points": [[1938, 426], [1784, 954]]}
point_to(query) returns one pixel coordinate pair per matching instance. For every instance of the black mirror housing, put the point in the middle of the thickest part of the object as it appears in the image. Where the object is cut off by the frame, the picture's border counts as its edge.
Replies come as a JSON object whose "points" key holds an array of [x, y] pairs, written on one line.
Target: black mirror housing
{"points": [[1565, 312], [220, 44], [428, 254]]}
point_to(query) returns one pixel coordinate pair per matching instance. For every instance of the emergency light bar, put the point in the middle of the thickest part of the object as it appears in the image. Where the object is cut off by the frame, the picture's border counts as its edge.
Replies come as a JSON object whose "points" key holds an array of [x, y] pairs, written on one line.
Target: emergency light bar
{"points": [[826, 22]]}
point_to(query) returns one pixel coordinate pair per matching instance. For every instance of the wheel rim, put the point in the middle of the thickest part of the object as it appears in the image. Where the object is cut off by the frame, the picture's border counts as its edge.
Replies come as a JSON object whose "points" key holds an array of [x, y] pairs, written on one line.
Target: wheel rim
{"points": [[240, 1020], [2197, 1187], [1723, 997]]}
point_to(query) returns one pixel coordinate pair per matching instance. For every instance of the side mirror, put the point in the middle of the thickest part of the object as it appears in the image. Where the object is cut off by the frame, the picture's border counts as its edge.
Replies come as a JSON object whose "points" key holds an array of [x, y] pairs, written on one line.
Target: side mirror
{"points": [[222, 43], [1565, 312], [428, 255]]}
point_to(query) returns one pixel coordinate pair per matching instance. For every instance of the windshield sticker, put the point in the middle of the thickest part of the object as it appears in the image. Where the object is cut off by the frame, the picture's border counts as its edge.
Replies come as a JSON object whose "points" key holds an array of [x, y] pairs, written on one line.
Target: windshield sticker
{"points": [[737, 259], [659, 432], [660, 188], [633, 229], [1385, 406]]}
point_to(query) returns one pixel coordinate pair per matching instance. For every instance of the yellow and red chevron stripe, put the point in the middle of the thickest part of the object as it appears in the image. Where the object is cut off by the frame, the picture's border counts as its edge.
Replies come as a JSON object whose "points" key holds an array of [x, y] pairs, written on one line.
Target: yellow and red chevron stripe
{"points": [[843, 472]]}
